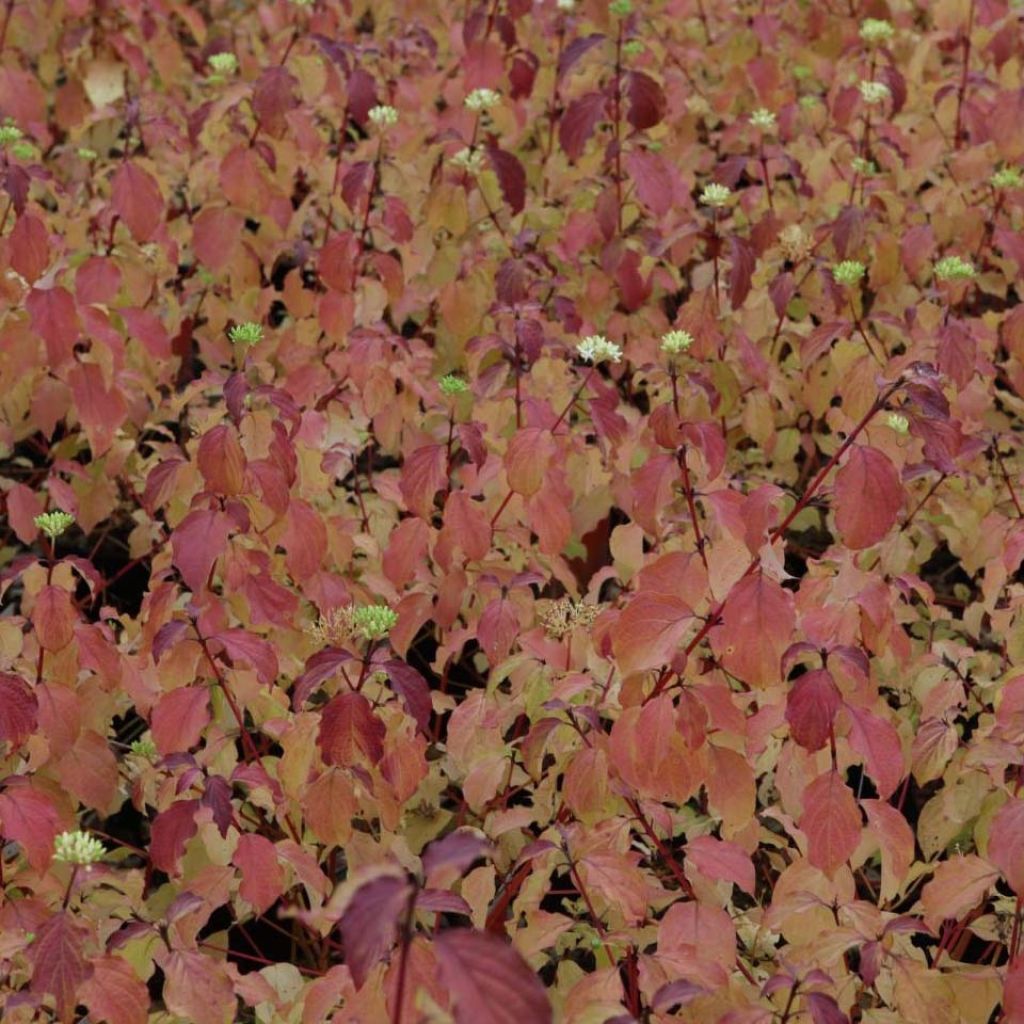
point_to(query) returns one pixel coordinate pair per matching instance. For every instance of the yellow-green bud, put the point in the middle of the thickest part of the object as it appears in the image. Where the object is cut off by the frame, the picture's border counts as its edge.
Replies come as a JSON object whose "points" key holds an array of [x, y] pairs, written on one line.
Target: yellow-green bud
{"points": [[86, 153], [621, 8], [873, 93], [483, 99], [715, 194], [953, 268], [374, 621], [224, 63], [248, 333], [675, 342], [469, 159], [53, 524], [876, 31], [849, 272], [383, 116], [1007, 177], [144, 747], [763, 119], [596, 349], [451, 385], [898, 422], [9, 133]]}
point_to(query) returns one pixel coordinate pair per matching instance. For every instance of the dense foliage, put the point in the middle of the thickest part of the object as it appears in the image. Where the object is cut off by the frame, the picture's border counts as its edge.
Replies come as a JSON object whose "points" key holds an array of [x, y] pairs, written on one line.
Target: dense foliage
{"points": [[513, 512]]}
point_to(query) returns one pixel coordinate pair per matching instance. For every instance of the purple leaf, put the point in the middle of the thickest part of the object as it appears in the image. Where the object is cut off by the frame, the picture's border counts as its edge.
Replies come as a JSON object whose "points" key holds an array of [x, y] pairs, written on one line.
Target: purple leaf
{"points": [[456, 850], [578, 123], [511, 177], [370, 923]]}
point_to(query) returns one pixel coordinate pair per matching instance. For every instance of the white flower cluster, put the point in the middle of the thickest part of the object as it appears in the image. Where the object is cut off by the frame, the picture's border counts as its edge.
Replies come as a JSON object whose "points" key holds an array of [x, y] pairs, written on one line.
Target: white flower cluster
{"points": [[715, 195], [382, 116], [469, 160], [597, 348], [482, 99], [78, 848], [675, 342], [873, 93], [764, 119]]}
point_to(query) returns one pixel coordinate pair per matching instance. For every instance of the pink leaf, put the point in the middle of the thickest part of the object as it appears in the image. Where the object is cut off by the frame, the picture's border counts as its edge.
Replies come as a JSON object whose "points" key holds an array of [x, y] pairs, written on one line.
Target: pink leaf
{"points": [[878, 742], [811, 707], [197, 542], [1006, 843], [241, 645], [28, 817], [831, 822], [262, 877], [138, 201], [868, 497], [647, 634], [115, 993], [179, 719], [489, 980], [722, 861], [578, 123], [18, 707], [757, 622], [171, 830], [423, 475], [59, 966], [350, 732], [370, 922]]}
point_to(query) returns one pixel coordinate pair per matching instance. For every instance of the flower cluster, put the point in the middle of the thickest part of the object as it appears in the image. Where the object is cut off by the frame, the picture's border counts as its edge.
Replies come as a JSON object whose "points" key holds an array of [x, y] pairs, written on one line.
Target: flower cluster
{"points": [[621, 8], [597, 348], [675, 342], [9, 133], [469, 159], [865, 167], [563, 616], [53, 524], [482, 99], [144, 747], [763, 119], [876, 31], [795, 245], [78, 848], [873, 93], [382, 116], [566, 5], [86, 153], [953, 268], [246, 334], [224, 63], [452, 385], [374, 621], [849, 272], [898, 422], [1007, 177], [715, 194]]}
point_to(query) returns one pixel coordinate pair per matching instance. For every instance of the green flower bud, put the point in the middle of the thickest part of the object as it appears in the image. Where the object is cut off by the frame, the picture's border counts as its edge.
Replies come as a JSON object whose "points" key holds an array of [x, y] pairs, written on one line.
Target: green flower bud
{"points": [[953, 268], [898, 422], [374, 621], [849, 272], [248, 333], [53, 524], [1007, 177], [675, 342], [78, 848], [451, 385], [9, 133]]}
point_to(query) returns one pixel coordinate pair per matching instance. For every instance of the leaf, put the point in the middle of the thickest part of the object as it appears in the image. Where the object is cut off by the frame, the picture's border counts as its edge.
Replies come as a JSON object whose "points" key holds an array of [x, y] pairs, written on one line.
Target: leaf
{"points": [[831, 821], [170, 831], [412, 688], [868, 497], [221, 460], [179, 718], [647, 633], [198, 988], [526, 459], [576, 50], [511, 177], [824, 1009], [1006, 843], [811, 707], [455, 851], [741, 269], [878, 742], [55, 319], [196, 544], [115, 993], [137, 200], [369, 924], [54, 618], [896, 841], [722, 861], [59, 965], [489, 980], [756, 625], [497, 629], [215, 235], [18, 707], [30, 247], [646, 100], [956, 887], [652, 175], [350, 732], [262, 877], [425, 472], [578, 123], [241, 645], [28, 817]]}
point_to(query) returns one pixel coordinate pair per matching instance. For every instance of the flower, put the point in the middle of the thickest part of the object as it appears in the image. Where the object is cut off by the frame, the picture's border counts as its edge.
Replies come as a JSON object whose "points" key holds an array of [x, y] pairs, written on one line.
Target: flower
{"points": [[382, 116], [374, 621], [898, 422], [596, 348], [952, 268], [23, 150], [1007, 177], [621, 8], [862, 166], [873, 93], [53, 524], [715, 194], [86, 153], [469, 159], [144, 747], [224, 63], [78, 848], [565, 5], [876, 31], [764, 119], [565, 615], [451, 385], [849, 272], [675, 342], [248, 333], [633, 47], [9, 133], [482, 99], [795, 245], [808, 101]]}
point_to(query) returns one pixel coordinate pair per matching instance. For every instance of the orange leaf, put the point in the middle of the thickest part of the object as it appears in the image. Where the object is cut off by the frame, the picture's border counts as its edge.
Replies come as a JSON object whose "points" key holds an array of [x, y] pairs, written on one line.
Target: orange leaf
{"points": [[138, 201], [831, 822]]}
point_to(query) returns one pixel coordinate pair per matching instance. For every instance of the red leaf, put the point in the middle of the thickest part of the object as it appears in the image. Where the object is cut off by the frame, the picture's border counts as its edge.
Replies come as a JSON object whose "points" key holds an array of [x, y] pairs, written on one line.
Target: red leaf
{"points": [[741, 270], [868, 497], [425, 472], [811, 707], [467, 525], [456, 851], [824, 1009], [18, 707], [350, 733], [336, 261], [28, 817], [215, 234], [490, 981], [413, 690], [272, 97], [956, 887], [878, 742], [497, 629], [198, 988], [115, 993], [511, 177], [138, 201], [54, 618], [370, 922], [526, 459], [722, 861], [100, 408], [58, 964], [197, 542], [646, 100], [647, 634], [30, 247], [575, 50], [241, 645], [179, 719], [652, 175], [221, 460], [262, 877], [171, 830], [831, 822], [757, 622], [1006, 843], [55, 320], [578, 123]]}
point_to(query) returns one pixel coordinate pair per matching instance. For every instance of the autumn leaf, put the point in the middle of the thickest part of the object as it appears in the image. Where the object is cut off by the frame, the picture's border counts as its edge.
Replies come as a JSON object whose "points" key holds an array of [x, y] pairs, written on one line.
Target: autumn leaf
{"points": [[868, 497], [831, 821]]}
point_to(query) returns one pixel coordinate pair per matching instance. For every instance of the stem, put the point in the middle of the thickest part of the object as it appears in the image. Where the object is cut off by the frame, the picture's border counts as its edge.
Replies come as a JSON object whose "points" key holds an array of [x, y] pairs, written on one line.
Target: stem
{"points": [[788, 1008], [365, 231], [71, 885], [1006, 479], [403, 955], [767, 178], [714, 255], [572, 401], [8, 9], [860, 330], [617, 118], [251, 754], [692, 506], [958, 134], [917, 508]]}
